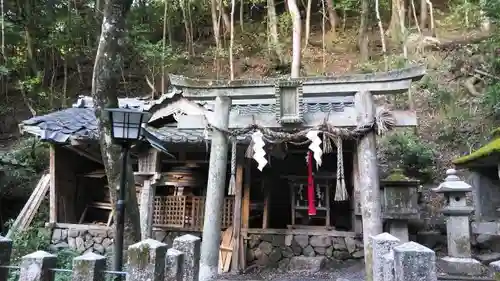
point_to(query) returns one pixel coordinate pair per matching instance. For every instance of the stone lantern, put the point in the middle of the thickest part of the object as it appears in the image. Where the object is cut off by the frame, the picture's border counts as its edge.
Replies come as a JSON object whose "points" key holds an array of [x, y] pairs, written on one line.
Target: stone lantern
{"points": [[399, 203], [459, 259]]}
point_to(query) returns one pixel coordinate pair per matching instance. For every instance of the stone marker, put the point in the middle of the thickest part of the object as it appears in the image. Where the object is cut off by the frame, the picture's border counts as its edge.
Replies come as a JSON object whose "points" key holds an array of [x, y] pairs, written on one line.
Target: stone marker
{"points": [[495, 266], [5, 251], [306, 264], [459, 260], [35, 267], [414, 262], [174, 265], [190, 246], [146, 261], [381, 244], [388, 261], [89, 267]]}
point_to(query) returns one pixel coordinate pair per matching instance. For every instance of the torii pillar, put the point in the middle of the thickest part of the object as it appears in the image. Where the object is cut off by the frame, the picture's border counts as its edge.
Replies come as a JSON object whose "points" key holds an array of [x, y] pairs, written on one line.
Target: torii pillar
{"points": [[211, 236], [369, 187]]}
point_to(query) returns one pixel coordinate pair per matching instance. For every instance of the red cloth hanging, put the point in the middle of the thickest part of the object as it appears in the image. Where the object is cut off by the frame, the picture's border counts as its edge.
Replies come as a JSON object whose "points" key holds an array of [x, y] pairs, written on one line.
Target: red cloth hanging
{"points": [[310, 185]]}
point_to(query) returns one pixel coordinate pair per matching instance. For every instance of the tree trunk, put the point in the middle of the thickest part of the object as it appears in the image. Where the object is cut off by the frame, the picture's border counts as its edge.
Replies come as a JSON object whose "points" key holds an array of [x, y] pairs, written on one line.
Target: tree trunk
{"points": [[332, 16], [273, 30], [105, 81], [296, 50], [215, 23], [397, 17], [231, 42], [363, 31], [423, 14], [308, 22]]}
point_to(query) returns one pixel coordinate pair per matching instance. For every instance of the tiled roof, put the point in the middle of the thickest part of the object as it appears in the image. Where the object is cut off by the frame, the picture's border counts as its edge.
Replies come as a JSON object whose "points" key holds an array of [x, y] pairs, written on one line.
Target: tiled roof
{"points": [[59, 126], [80, 123]]}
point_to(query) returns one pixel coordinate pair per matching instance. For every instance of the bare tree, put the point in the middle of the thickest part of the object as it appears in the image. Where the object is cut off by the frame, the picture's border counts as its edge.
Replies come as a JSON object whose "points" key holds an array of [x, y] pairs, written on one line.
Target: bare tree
{"points": [[363, 31], [297, 49], [105, 81], [273, 30]]}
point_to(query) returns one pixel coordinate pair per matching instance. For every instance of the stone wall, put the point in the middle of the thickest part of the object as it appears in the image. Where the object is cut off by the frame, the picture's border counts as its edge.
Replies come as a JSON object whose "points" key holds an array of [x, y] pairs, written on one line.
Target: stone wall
{"points": [[82, 240], [100, 240], [277, 249]]}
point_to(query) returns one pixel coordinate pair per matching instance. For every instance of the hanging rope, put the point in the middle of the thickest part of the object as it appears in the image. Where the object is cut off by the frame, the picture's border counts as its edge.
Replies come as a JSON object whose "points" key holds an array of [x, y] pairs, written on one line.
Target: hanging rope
{"points": [[340, 190], [232, 180], [384, 121]]}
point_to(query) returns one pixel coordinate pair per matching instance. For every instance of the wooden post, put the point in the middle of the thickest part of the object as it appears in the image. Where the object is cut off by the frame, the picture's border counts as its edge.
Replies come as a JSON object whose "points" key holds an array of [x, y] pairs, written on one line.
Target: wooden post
{"points": [[267, 201], [356, 222], [235, 263], [210, 245], [53, 190], [149, 166], [369, 188], [245, 210]]}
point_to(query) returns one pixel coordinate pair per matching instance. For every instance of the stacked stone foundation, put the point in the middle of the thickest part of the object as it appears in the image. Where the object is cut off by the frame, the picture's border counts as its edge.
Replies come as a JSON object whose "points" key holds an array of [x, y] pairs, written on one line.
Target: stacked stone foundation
{"points": [[278, 249]]}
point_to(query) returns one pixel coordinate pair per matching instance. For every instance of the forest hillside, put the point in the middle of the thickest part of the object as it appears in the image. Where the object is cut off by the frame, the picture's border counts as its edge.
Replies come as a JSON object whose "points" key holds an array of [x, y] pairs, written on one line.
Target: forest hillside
{"points": [[48, 51]]}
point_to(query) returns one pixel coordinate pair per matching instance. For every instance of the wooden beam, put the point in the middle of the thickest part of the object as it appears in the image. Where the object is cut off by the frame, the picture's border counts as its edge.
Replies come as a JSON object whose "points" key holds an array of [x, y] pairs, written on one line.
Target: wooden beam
{"points": [[85, 154], [347, 118], [305, 231], [238, 241], [53, 185]]}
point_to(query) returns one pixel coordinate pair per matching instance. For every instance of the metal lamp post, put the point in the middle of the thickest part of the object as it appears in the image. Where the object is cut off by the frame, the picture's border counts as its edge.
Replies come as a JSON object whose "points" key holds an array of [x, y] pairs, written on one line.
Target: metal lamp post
{"points": [[126, 127]]}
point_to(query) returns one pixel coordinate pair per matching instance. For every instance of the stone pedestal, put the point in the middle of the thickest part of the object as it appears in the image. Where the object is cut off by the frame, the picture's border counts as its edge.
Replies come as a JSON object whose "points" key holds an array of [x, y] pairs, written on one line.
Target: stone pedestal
{"points": [[399, 229], [400, 203], [459, 259]]}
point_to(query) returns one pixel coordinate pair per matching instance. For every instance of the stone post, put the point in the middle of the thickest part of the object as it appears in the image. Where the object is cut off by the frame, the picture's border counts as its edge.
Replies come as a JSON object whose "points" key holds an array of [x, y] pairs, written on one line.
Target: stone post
{"points": [[190, 246], [388, 261], [36, 267], [146, 261], [89, 267], [382, 244], [5, 251], [414, 262], [174, 265], [369, 186], [459, 259], [209, 260]]}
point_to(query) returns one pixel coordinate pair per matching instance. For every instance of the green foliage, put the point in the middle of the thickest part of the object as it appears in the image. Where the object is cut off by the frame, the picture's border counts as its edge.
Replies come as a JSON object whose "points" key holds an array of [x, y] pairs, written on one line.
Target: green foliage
{"points": [[463, 13], [406, 151], [21, 167]]}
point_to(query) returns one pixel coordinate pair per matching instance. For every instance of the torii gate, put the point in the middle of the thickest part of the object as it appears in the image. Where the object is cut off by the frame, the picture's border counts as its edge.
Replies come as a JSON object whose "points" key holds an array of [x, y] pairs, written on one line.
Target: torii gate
{"points": [[289, 96]]}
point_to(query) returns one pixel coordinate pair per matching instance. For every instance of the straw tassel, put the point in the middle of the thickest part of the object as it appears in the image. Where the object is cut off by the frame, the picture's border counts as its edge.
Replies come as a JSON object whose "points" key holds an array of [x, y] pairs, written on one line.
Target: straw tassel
{"points": [[232, 180], [327, 144], [341, 190]]}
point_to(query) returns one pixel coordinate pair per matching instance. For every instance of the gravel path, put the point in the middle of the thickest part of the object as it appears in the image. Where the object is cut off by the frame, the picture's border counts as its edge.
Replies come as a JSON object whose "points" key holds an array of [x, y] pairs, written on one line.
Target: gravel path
{"points": [[345, 271]]}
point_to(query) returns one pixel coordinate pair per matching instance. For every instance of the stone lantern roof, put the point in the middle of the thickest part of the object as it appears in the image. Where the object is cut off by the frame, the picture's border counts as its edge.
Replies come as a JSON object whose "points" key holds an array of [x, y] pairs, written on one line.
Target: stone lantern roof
{"points": [[452, 183]]}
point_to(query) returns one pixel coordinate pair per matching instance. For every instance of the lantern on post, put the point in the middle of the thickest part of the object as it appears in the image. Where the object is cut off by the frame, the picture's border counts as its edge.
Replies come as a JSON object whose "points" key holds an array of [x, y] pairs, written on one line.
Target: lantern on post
{"points": [[459, 259], [126, 127]]}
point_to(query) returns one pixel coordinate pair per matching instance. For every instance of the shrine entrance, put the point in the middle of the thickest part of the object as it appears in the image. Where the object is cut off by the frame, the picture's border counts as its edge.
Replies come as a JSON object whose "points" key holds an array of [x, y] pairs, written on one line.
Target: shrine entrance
{"points": [[282, 189]]}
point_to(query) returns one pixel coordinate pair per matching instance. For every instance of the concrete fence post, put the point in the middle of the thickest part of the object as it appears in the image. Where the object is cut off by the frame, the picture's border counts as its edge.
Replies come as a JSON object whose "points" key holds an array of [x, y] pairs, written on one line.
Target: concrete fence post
{"points": [[89, 267], [382, 244], [5, 252], [36, 267], [146, 261], [190, 246], [414, 262], [174, 265]]}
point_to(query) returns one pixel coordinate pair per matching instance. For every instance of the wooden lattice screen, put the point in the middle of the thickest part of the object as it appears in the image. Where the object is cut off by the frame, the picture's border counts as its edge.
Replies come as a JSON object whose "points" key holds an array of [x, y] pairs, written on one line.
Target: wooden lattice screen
{"points": [[187, 212]]}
